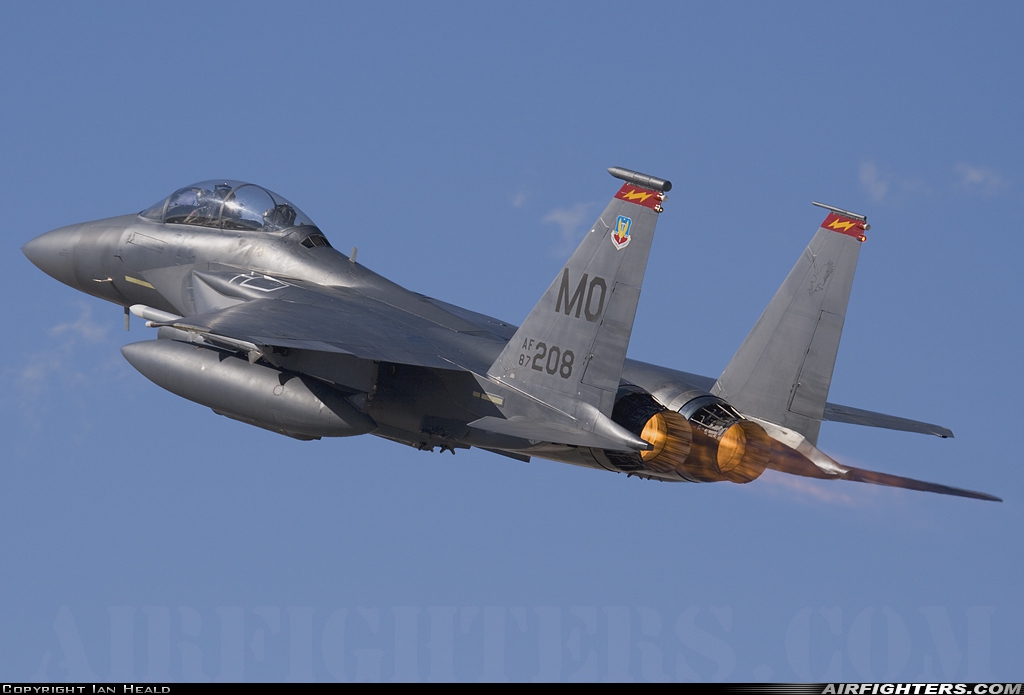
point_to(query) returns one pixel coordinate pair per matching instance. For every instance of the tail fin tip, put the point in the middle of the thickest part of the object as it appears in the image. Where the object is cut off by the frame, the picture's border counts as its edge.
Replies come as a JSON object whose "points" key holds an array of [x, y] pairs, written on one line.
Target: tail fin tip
{"points": [[645, 180]]}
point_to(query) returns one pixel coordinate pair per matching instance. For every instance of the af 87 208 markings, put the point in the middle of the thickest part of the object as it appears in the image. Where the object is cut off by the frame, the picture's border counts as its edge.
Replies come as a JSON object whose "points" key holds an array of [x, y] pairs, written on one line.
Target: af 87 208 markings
{"points": [[543, 358]]}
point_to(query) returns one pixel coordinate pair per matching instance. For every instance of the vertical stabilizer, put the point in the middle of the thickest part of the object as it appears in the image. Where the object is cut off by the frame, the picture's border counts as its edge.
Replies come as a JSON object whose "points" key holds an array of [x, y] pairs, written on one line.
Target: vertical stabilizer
{"points": [[783, 369], [570, 349]]}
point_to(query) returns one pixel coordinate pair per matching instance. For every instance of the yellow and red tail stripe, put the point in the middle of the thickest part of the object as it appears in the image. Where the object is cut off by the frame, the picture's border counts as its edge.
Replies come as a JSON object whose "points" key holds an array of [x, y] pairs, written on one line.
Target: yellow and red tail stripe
{"points": [[641, 196], [845, 225]]}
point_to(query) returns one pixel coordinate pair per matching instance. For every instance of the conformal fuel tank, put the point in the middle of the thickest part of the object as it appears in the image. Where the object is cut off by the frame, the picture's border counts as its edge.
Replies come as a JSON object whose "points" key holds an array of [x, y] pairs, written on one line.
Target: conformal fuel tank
{"points": [[276, 400]]}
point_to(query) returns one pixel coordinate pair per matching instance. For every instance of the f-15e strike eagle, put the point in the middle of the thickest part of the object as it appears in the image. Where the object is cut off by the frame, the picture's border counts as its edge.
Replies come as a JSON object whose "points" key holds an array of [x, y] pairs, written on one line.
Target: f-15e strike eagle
{"points": [[263, 321]]}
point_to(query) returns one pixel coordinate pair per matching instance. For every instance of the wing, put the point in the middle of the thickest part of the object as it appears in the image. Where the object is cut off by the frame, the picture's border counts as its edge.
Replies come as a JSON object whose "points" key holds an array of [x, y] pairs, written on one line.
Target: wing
{"points": [[259, 312]]}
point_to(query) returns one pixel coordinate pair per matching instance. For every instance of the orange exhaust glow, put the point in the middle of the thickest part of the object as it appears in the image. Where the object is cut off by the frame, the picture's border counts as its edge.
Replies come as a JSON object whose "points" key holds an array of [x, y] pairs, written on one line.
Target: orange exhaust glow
{"points": [[670, 434]]}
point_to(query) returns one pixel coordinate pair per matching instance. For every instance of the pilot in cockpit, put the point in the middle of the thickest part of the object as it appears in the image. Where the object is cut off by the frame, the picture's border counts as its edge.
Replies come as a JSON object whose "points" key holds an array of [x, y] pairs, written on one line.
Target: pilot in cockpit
{"points": [[228, 205], [208, 205], [281, 216]]}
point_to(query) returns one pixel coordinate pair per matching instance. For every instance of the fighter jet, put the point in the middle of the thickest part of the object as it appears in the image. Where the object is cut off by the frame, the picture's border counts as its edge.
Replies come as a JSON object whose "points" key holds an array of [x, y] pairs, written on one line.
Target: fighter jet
{"points": [[260, 319]]}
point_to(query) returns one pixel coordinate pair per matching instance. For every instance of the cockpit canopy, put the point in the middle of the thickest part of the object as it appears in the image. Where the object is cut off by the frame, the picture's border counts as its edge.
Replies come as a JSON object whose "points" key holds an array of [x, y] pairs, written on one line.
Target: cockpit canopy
{"points": [[226, 204]]}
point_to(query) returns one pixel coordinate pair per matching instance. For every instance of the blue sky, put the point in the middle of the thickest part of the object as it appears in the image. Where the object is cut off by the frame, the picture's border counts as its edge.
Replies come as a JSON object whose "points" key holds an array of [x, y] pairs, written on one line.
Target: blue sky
{"points": [[462, 148]]}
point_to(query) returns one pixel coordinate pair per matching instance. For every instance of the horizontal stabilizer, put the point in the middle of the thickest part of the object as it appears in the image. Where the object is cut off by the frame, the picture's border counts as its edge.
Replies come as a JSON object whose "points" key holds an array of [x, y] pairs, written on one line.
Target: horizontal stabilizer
{"points": [[868, 418], [862, 476], [788, 460]]}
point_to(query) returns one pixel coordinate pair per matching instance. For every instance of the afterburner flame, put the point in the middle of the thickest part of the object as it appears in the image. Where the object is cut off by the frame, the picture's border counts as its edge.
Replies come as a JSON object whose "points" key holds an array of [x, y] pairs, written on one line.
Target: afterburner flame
{"points": [[740, 455], [731, 448], [670, 434], [655, 433], [743, 452]]}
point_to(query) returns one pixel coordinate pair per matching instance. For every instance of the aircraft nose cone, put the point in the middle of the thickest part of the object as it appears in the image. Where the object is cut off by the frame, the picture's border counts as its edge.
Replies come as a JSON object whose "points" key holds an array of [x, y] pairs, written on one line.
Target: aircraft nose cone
{"points": [[54, 253]]}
